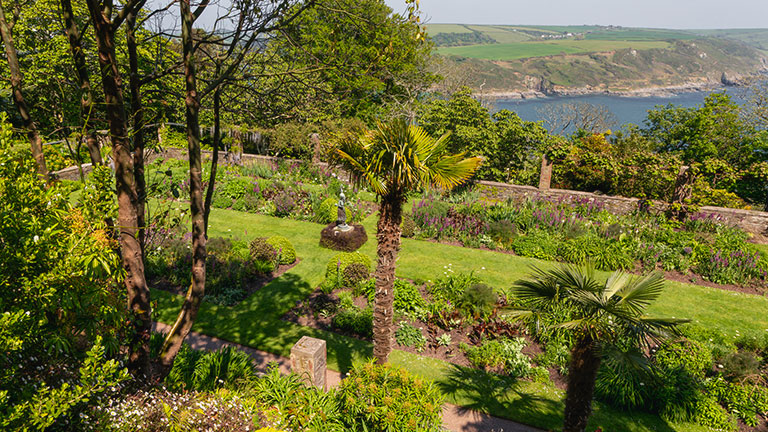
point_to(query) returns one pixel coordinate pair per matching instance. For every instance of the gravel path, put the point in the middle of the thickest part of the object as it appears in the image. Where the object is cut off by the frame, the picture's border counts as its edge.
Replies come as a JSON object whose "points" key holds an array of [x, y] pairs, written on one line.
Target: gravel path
{"points": [[455, 418]]}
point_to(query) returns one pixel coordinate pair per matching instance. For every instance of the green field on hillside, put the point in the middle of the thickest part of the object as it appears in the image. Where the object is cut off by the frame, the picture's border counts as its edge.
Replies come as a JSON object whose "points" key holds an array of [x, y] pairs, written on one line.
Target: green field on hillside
{"points": [[755, 37], [639, 35], [514, 51], [436, 29]]}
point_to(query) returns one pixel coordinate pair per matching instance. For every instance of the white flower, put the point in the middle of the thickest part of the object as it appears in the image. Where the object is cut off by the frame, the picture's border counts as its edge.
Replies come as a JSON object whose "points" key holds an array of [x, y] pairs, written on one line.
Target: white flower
{"points": [[36, 239]]}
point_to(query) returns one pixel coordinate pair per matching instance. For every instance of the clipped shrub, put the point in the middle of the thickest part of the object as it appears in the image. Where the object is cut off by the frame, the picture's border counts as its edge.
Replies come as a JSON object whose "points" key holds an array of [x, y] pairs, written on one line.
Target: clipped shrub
{"points": [[334, 271], [389, 398], [262, 251], [285, 251], [356, 273], [408, 226], [354, 320]]}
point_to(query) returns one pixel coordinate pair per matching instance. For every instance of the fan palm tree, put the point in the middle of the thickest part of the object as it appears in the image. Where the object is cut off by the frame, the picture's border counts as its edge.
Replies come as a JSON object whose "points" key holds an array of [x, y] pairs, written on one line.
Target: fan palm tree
{"points": [[392, 160], [604, 316]]}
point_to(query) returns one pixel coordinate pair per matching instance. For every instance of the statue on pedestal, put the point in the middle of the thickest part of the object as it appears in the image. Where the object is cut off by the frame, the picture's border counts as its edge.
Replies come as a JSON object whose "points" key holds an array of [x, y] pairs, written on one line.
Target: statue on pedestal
{"points": [[341, 221]]}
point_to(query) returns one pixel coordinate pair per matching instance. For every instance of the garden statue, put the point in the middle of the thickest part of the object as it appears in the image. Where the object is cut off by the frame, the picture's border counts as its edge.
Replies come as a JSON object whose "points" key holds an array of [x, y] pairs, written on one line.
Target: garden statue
{"points": [[339, 235], [341, 222]]}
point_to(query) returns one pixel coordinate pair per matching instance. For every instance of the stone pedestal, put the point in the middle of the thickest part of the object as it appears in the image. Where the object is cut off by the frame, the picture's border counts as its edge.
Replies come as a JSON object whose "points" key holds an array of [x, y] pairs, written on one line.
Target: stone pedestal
{"points": [[308, 360]]}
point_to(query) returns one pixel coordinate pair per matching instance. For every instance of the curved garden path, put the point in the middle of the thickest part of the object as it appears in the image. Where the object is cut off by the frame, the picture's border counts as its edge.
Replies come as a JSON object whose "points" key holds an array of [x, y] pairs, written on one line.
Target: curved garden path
{"points": [[455, 418]]}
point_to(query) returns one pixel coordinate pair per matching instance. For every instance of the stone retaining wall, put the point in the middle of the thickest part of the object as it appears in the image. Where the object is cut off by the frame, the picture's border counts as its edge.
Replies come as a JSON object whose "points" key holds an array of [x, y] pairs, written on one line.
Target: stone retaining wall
{"points": [[749, 220]]}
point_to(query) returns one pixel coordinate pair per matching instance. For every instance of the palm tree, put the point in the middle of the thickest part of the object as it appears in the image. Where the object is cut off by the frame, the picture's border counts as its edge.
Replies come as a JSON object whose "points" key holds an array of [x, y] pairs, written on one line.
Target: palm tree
{"points": [[392, 160], [603, 316]]}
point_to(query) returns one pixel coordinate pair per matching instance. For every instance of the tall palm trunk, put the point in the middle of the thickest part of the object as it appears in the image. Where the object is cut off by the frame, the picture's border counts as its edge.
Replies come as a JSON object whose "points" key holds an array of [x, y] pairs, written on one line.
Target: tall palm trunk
{"points": [[35, 141], [133, 263], [388, 237], [86, 92], [188, 313], [582, 372]]}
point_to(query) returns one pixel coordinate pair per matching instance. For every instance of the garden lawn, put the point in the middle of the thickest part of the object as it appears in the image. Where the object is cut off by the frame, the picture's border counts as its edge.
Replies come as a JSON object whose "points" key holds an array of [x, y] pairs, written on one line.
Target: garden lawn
{"points": [[256, 321]]}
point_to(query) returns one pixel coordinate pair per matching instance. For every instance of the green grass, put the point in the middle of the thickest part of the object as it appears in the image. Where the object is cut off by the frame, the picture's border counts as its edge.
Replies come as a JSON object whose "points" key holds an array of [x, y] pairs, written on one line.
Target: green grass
{"points": [[436, 29], [639, 35], [514, 51], [503, 35], [256, 321]]}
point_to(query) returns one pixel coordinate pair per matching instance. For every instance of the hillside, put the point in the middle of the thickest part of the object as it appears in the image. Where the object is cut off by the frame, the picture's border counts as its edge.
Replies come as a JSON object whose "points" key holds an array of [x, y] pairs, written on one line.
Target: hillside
{"points": [[525, 61]]}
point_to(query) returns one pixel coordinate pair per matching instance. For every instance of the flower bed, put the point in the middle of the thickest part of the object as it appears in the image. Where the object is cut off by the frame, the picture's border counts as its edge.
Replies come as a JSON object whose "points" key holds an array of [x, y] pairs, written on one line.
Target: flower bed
{"points": [[291, 190], [580, 231], [703, 377]]}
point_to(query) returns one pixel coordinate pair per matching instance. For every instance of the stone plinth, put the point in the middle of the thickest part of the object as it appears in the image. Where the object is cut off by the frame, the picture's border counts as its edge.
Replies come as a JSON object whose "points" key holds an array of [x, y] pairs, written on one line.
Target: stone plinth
{"points": [[308, 360]]}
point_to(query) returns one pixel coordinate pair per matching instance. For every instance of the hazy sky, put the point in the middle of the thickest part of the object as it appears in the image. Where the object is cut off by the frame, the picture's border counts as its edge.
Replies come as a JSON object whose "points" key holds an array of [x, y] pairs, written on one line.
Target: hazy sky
{"points": [[630, 13]]}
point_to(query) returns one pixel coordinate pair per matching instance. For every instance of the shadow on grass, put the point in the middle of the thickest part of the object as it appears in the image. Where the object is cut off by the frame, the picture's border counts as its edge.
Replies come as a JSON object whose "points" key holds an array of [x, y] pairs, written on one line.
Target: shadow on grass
{"points": [[256, 322], [499, 396]]}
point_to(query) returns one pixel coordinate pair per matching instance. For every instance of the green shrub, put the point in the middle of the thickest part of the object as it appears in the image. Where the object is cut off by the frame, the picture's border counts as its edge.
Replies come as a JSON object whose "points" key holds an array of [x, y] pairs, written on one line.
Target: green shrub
{"points": [[408, 226], [478, 300], [356, 273], [408, 299], [535, 245], [745, 401], [297, 406], [410, 336], [284, 248], [337, 265], [500, 353], [708, 412], [354, 320], [502, 230], [388, 398], [718, 343], [452, 285], [741, 365], [689, 356], [262, 251]]}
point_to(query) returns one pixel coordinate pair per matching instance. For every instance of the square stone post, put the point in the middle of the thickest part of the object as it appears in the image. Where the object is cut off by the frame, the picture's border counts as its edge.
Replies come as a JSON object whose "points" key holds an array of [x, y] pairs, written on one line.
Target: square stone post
{"points": [[545, 176], [308, 360]]}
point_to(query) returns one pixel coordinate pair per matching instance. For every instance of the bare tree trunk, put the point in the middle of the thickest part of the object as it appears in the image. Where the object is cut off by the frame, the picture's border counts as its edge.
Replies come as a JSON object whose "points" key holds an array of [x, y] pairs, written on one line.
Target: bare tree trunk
{"points": [[215, 158], [585, 362], [388, 237], [133, 264], [86, 92], [137, 113], [194, 297], [18, 96]]}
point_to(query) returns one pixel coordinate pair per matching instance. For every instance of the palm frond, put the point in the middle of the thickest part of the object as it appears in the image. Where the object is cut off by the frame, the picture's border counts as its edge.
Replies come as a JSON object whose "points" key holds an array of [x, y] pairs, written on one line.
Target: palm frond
{"points": [[637, 294]]}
